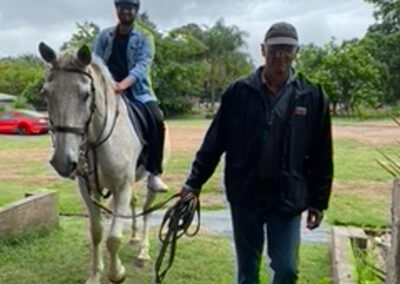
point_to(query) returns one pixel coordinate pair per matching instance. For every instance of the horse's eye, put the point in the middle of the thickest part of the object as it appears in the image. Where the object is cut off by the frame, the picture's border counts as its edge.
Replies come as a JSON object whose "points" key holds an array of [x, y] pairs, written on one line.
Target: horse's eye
{"points": [[43, 92], [86, 96]]}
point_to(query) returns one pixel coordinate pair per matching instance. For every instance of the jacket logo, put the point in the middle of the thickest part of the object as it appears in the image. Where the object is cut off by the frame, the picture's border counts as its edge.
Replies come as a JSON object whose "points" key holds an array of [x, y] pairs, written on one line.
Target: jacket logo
{"points": [[300, 111]]}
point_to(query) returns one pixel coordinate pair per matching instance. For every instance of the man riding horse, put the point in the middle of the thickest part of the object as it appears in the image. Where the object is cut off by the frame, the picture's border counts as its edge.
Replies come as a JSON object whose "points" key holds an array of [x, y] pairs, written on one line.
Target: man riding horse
{"points": [[128, 53]]}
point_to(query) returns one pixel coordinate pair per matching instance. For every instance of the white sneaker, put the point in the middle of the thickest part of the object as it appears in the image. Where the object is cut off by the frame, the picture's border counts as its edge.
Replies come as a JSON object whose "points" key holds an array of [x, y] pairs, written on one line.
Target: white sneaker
{"points": [[156, 184]]}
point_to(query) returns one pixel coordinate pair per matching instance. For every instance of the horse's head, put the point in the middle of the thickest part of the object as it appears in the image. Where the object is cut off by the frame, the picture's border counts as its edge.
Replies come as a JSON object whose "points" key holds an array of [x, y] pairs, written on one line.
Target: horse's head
{"points": [[69, 92]]}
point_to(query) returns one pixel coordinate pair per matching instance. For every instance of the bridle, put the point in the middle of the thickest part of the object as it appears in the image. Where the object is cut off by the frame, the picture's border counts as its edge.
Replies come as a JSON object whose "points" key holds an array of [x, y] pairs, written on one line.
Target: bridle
{"points": [[81, 131], [83, 169]]}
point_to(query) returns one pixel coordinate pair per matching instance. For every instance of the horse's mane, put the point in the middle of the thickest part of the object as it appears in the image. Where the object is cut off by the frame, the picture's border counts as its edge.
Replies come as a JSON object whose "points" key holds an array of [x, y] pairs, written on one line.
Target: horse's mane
{"points": [[98, 64]]}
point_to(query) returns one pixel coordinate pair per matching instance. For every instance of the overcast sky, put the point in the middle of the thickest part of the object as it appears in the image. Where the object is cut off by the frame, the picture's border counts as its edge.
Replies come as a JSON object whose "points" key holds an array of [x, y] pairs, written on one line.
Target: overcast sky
{"points": [[24, 23]]}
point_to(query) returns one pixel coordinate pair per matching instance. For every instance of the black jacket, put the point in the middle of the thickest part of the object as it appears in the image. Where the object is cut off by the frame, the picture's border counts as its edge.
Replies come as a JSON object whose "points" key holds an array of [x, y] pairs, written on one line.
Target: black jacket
{"points": [[304, 162]]}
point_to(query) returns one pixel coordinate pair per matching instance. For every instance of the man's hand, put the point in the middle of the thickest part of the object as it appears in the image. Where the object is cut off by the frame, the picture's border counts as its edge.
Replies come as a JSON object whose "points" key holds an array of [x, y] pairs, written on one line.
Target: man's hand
{"points": [[186, 192], [314, 218], [119, 88]]}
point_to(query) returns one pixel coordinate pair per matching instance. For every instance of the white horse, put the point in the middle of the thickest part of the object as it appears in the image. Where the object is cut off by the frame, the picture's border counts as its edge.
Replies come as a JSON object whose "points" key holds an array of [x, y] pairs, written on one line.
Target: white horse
{"points": [[86, 115]]}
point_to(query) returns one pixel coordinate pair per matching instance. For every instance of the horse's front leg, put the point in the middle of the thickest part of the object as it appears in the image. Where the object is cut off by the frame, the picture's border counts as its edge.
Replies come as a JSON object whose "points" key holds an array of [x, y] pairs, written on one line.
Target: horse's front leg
{"points": [[122, 199], [135, 239], [96, 231], [144, 246]]}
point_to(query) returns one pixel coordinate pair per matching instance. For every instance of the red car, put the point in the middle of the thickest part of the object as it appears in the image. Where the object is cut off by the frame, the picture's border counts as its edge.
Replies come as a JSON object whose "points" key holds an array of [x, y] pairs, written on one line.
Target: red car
{"points": [[23, 122]]}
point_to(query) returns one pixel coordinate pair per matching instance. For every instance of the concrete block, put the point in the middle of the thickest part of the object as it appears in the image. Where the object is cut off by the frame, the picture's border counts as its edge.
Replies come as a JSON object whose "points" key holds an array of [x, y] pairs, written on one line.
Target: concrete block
{"points": [[341, 252], [36, 211]]}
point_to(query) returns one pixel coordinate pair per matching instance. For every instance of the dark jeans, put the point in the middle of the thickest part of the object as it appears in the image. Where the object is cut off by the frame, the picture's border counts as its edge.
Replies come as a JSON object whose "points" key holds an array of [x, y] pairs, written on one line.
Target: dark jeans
{"points": [[157, 139], [155, 136], [283, 240]]}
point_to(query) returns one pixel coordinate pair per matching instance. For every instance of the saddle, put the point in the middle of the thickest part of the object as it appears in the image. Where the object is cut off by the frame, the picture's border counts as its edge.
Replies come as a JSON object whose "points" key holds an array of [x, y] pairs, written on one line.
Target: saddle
{"points": [[141, 121], [138, 119]]}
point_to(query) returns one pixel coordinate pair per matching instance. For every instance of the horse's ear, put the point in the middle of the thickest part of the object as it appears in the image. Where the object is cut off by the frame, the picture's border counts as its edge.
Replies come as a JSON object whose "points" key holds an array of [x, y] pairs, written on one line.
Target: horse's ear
{"points": [[84, 55], [47, 53]]}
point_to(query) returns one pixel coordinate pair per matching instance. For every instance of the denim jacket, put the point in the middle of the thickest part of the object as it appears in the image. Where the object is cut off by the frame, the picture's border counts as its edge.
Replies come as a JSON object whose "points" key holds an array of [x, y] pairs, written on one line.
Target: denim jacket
{"points": [[140, 53]]}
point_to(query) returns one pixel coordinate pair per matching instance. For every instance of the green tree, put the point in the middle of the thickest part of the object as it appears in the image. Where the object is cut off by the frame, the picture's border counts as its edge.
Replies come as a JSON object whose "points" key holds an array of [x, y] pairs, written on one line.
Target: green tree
{"points": [[383, 41], [16, 73], [32, 94], [309, 59], [387, 16], [224, 58], [178, 71], [351, 76], [85, 34], [190, 62], [310, 63], [386, 50], [213, 54]]}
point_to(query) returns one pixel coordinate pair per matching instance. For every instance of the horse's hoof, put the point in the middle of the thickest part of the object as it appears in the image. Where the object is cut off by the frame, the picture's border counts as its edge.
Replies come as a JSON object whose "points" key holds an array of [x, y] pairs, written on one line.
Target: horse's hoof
{"points": [[119, 278], [119, 281], [93, 280]]}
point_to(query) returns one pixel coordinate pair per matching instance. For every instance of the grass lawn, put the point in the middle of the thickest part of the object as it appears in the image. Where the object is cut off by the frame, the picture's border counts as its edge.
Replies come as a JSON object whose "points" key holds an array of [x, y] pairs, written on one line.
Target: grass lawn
{"points": [[362, 269], [360, 196], [62, 257], [361, 193]]}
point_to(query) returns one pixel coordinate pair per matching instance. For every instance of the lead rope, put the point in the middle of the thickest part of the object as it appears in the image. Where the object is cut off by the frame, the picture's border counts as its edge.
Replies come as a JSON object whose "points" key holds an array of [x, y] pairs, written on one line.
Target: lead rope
{"points": [[145, 212], [176, 223]]}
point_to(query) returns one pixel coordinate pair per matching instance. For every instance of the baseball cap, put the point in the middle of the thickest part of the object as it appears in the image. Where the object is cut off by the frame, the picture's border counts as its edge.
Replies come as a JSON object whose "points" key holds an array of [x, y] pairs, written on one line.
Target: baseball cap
{"points": [[281, 33]]}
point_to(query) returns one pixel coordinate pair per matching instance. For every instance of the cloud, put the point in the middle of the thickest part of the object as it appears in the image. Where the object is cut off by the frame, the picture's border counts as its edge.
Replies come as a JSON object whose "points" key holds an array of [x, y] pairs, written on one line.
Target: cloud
{"points": [[23, 23]]}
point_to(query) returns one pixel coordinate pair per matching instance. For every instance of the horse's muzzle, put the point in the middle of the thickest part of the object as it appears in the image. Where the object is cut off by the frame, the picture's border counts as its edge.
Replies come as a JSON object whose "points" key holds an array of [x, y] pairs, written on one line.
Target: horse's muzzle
{"points": [[65, 167]]}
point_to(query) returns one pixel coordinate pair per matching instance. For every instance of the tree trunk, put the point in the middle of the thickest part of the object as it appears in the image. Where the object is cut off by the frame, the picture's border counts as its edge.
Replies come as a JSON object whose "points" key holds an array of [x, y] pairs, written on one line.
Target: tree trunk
{"points": [[334, 108], [213, 102]]}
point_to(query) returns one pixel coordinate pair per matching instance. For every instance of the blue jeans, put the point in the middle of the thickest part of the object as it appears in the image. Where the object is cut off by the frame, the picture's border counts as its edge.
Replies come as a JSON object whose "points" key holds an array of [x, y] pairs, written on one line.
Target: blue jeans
{"points": [[283, 241]]}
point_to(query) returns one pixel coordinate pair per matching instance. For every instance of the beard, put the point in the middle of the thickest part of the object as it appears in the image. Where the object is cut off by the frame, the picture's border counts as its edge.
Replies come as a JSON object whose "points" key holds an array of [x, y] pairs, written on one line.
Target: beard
{"points": [[126, 19], [126, 22]]}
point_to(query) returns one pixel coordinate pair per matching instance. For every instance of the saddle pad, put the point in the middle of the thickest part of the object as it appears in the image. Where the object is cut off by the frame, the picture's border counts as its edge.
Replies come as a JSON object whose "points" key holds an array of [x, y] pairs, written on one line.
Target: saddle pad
{"points": [[138, 120]]}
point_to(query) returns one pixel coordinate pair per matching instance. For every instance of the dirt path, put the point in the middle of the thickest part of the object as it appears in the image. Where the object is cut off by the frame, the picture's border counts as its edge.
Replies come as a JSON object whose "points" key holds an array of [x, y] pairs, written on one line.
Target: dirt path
{"points": [[377, 134], [186, 140]]}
